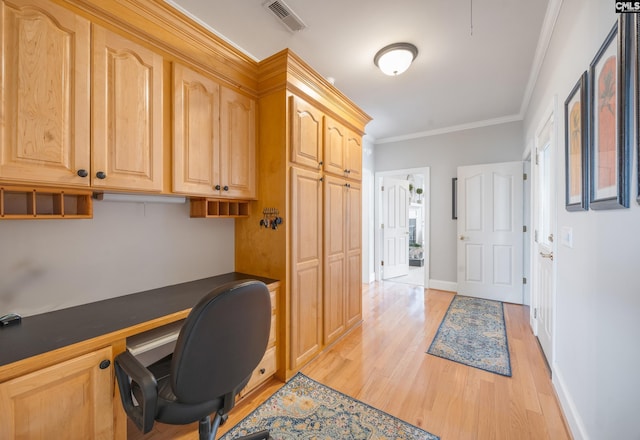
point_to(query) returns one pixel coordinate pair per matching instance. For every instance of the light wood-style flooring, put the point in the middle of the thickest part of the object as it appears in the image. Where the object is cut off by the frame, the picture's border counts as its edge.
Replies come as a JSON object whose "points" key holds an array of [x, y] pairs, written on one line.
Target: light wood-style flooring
{"points": [[384, 363]]}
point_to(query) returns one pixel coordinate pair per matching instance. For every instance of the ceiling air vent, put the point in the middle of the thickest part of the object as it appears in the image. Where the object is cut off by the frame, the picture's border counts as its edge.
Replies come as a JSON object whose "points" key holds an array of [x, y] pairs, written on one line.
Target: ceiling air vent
{"points": [[285, 15]]}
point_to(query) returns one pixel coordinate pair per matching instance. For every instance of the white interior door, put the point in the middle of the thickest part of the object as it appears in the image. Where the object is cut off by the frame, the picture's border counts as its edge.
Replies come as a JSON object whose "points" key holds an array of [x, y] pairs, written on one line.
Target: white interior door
{"points": [[545, 231], [490, 231], [395, 227]]}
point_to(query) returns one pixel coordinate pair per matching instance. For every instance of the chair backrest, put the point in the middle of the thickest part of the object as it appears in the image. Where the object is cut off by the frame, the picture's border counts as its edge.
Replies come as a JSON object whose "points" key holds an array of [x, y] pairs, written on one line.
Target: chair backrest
{"points": [[222, 341]]}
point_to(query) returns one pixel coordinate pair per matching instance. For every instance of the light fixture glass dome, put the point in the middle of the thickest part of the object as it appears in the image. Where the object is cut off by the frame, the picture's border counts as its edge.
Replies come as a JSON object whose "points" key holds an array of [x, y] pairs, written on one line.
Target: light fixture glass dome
{"points": [[395, 58]]}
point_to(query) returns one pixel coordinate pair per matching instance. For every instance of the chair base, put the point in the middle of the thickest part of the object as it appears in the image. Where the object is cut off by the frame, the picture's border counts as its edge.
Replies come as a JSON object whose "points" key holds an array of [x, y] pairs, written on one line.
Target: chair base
{"points": [[207, 430]]}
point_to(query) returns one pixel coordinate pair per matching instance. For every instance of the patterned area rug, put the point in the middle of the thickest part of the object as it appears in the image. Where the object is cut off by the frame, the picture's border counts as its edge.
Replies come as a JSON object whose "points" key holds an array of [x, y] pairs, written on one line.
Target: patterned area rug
{"points": [[473, 333], [306, 409]]}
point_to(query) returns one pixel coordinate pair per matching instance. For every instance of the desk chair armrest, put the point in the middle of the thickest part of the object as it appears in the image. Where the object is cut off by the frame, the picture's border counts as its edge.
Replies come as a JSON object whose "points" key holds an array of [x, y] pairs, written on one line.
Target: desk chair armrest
{"points": [[128, 369]]}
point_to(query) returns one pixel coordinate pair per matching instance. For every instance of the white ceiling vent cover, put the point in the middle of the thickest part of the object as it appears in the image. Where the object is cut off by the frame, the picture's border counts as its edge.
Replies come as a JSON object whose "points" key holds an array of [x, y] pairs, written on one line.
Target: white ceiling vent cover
{"points": [[285, 15]]}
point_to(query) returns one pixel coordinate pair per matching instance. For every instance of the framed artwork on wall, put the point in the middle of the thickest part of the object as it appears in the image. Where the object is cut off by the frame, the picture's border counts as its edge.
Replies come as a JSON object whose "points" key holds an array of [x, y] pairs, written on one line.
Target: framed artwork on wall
{"points": [[636, 38], [609, 128], [575, 147]]}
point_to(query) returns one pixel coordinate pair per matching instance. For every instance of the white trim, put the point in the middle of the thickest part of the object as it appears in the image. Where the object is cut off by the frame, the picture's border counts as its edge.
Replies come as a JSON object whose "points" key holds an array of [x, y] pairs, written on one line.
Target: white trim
{"points": [[548, 25], [571, 413], [454, 128], [450, 286]]}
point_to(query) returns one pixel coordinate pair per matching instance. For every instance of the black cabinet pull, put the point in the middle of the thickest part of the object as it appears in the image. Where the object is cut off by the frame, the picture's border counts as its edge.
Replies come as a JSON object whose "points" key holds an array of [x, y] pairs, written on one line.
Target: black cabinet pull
{"points": [[82, 173], [262, 370], [101, 175], [226, 188], [105, 364], [217, 187]]}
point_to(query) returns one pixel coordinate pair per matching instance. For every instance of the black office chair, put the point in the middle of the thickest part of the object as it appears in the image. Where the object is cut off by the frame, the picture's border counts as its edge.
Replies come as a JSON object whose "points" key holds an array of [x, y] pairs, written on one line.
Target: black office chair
{"points": [[222, 341]]}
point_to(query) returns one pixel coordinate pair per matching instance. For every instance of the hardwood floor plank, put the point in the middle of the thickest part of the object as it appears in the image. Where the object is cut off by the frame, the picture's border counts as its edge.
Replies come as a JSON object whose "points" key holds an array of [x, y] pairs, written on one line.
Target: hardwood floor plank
{"points": [[384, 363]]}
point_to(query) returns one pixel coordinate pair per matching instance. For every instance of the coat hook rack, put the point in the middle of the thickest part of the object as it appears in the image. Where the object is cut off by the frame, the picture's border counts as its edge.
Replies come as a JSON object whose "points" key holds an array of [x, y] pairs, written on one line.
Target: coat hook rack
{"points": [[270, 218]]}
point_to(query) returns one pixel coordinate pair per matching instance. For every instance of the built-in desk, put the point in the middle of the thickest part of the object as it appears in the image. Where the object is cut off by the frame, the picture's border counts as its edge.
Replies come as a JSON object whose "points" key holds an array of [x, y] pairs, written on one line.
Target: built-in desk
{"points": [[63, 360]]}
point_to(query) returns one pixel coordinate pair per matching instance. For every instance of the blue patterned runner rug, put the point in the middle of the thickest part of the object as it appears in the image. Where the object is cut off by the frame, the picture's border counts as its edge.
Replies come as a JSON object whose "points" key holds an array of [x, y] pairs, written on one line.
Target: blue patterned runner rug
{"points": [[473, 333], [306, 409]]}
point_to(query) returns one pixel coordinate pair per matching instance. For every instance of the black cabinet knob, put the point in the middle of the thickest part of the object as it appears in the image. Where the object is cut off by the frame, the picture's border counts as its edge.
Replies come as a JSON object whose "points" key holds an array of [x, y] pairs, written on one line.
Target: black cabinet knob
{"points": [[217, 187], [226, 188], [262, 370], [105, 364], [82, 173], [101, 175]]}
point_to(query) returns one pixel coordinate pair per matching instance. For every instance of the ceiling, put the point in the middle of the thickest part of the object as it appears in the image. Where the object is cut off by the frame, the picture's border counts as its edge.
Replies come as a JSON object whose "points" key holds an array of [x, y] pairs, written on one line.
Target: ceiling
{"points": [[473, 67]]}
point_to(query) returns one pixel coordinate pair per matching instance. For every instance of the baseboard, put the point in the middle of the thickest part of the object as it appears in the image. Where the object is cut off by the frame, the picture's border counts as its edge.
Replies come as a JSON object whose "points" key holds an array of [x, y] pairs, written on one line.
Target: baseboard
{"points": [[576, 426], [443, 285]]}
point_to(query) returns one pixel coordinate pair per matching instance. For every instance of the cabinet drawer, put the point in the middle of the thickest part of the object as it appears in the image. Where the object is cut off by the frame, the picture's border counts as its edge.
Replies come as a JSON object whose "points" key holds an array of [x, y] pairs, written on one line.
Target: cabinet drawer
{"points": [[265, 369]]}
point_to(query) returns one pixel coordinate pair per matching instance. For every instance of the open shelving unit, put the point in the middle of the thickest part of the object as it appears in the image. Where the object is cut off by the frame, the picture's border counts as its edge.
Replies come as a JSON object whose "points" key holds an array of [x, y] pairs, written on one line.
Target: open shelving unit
{"points": [[20, 203], [218, 208]]}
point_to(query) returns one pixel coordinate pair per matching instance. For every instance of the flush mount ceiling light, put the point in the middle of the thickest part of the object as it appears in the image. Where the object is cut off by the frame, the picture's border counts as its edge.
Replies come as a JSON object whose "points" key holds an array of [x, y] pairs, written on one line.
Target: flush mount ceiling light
{"points": [[395, 58]]}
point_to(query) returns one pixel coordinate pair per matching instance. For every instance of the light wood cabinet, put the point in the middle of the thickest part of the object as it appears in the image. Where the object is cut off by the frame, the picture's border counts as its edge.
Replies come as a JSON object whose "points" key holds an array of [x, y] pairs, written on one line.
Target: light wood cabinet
{"points": [[196, 132], [237, 145], [71, 122], [127, 114], [44, 93], [269, 363], [306, 265], [306, 133], [342, 150], [214, 140], [342, 257], [315, 251], [70, 400]]}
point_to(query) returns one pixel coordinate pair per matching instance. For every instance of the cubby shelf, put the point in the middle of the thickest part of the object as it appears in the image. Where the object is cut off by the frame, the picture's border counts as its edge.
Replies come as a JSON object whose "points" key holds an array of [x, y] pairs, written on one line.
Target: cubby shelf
{"points": [[218, 208], [21, 203]]}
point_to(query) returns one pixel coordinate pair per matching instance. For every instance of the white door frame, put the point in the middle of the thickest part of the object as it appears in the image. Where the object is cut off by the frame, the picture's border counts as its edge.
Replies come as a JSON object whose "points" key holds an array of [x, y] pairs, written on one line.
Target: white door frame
{"points": [[551, 114], [426, 215]]}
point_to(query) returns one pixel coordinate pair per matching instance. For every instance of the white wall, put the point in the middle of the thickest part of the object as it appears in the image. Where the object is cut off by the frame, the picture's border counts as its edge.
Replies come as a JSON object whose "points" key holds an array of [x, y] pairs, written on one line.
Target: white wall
{"points": [[128, 247], [597, 327], [368, 168], [443, 154]]}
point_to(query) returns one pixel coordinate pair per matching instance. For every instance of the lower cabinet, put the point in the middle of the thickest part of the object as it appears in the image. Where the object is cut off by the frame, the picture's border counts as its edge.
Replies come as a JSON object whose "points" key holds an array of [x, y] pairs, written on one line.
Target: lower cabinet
{"points": [[268, 365], [70, 400]]}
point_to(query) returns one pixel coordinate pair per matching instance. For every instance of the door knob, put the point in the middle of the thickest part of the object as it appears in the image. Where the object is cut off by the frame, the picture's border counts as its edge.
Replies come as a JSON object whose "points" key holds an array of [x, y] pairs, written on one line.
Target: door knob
{"points": [[549, 255], [462, 238]]}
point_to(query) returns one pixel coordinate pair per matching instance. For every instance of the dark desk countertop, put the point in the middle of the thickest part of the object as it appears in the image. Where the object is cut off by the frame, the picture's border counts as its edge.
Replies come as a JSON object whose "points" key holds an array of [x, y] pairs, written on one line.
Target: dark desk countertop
{"points": [[39, 334]]}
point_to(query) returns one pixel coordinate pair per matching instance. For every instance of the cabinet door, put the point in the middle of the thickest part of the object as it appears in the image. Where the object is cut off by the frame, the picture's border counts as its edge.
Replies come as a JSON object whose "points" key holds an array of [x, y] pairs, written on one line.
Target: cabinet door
{"points": [[306, 266], [196, 132], [353, 236], [238, 145], [44, 91], [127, 114], [70, 400], [353, 158], [306, 133], [335, 136], [335, 206]]}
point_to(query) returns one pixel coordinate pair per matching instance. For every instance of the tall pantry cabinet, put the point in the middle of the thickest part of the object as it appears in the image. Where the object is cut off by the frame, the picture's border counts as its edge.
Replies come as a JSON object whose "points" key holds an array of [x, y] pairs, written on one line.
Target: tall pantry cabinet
{"points": [[309, 170]]}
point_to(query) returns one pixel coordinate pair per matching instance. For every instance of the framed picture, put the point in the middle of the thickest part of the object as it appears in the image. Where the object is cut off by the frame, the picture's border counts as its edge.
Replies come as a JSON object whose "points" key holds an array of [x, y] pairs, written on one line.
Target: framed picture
{"points": [[636, 37], [454, 198], [609, 120], [575, 147]]}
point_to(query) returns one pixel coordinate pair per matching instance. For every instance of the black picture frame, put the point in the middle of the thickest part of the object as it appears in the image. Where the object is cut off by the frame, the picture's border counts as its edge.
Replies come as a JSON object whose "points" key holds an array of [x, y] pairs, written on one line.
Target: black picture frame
{"points": [[576, 150], [454, 198], [609, 140], [636, 39]]}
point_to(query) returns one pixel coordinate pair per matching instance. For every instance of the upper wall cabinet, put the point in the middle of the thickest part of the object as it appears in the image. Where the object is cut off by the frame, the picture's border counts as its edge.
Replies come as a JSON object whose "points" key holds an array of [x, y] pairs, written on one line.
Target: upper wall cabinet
{"points": [[44, 92], [237, 145], [196, 132], [127, 114], [342, 150], [306, 133], [214, 143]]}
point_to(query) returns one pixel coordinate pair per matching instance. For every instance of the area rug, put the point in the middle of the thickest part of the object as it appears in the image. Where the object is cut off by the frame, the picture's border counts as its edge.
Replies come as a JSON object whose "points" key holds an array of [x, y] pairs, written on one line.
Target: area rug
{"points": [[305, 409], [473, 333]]}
